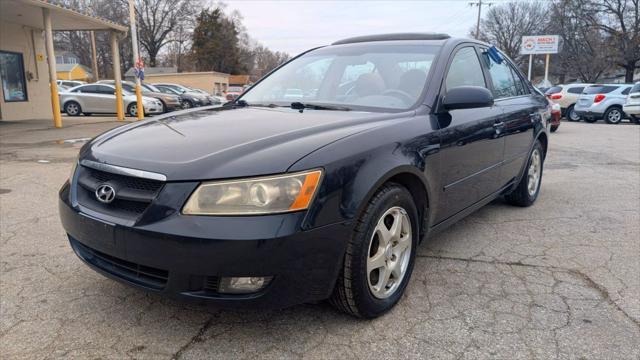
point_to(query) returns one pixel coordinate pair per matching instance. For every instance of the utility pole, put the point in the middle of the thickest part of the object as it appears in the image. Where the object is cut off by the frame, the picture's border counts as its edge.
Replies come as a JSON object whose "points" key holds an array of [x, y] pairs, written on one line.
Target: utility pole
{"points": [[136, 59], [94, 57], [479, 4]]}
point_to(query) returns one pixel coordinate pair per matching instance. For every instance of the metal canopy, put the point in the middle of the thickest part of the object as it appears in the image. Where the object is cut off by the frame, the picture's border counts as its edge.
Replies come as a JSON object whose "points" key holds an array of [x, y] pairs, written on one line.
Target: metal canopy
{"points": [[29, 13]]}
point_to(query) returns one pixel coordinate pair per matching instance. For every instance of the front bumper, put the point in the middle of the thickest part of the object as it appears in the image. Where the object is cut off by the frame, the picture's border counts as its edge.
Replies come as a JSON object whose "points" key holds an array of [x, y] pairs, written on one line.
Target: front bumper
{"points": [[185, 256]]}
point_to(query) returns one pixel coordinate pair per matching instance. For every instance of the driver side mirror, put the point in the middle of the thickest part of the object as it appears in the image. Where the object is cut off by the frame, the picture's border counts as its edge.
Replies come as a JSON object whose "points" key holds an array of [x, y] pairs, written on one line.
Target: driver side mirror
{"points": [[467, 97]]}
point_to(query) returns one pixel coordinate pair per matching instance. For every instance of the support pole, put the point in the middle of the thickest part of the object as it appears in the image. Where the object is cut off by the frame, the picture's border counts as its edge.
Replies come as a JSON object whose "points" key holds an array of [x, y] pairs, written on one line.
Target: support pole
{"points": [[51, 59], [546, 69], [136, 57], [530, 62], [115, 53], [94, 56]]}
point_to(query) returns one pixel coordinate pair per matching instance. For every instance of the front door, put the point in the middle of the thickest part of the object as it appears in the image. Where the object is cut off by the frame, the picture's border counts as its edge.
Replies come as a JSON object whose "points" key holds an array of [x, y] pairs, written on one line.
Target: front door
{"points": [[521, 108], [471, 149]]}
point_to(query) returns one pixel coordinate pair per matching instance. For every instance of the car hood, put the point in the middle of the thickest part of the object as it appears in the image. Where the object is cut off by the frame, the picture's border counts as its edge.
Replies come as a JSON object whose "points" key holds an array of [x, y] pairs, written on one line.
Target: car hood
{"points": [[227, 143]]}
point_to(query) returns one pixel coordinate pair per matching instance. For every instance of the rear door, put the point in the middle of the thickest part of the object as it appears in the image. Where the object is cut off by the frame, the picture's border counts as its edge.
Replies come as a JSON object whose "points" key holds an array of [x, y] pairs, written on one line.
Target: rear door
{"points": [[106, 98], [471, 150]]}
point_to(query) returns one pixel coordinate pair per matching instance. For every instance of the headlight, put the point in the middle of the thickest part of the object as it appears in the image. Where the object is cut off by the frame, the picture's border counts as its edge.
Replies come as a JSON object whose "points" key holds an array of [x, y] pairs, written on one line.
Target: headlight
{"points": [[266, 195]]}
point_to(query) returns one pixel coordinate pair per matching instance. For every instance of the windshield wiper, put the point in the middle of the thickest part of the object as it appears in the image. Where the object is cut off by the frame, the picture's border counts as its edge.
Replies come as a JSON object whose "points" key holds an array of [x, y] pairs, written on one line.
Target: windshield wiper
{"points": [[301, 106], [243, 103]]}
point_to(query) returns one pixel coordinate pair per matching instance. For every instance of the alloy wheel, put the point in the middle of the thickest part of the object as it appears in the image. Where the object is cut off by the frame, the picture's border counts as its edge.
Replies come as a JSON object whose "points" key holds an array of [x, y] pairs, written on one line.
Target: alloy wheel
{"points": [[533, 173], [72, 109], [614, 116], [133, 110], [389, 252]]}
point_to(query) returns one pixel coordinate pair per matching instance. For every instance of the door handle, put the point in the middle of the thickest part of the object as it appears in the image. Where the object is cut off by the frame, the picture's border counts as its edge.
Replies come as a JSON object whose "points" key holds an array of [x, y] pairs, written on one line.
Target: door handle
{"points": [[498, 125]]}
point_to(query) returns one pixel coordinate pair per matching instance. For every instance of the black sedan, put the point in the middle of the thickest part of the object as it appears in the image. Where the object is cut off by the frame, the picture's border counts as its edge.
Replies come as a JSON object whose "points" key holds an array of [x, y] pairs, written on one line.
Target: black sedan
{"points": [[317, 183]]}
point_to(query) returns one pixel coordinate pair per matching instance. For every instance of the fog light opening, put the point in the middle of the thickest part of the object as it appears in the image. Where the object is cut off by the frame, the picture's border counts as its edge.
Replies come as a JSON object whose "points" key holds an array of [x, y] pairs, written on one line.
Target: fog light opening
{"points": [[243, 285]]}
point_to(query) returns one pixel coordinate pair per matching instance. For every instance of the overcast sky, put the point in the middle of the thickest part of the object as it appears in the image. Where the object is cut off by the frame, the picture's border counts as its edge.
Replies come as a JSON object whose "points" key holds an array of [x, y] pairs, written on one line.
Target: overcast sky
{"points": [[295, 26]]}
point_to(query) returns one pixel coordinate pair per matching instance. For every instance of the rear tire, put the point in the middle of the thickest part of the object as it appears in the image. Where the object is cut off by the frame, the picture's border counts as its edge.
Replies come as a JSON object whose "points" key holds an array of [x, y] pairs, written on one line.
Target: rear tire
{"points": [[635, 119], [72, 108], [380, 255], [526, 193], [187, 104], [571, 114], [590, 120], [613, 115]]}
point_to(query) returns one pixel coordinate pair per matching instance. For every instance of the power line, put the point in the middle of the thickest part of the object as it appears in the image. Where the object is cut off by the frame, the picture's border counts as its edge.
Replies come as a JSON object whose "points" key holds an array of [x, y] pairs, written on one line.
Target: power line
{"points": [[479, 4]]}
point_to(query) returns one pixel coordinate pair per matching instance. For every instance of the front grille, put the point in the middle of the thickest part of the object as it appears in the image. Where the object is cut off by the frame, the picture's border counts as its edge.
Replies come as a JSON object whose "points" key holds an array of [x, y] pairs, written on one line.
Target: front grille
{"points": [[133, 195], [146, 276]]}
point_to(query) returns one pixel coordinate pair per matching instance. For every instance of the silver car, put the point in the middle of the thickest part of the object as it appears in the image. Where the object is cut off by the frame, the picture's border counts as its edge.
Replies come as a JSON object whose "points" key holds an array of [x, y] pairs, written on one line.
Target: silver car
{"points": [[603, 101], [100, 98]]}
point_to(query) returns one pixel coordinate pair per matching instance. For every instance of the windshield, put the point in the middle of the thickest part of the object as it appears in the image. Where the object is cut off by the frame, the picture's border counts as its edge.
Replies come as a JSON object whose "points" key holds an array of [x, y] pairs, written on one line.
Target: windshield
{"points": [[383, 76]]}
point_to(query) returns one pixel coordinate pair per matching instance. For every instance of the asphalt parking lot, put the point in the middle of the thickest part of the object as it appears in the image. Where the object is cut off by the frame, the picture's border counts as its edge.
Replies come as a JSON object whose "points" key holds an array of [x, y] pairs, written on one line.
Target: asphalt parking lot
{"points": [[559, 280]]}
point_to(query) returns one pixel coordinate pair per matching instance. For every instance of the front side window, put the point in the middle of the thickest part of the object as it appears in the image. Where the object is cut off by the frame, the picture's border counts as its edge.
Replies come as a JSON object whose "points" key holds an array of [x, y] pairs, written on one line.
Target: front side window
{"points": [[376, 77], [504, 85], [465, 69], [14, 86]]}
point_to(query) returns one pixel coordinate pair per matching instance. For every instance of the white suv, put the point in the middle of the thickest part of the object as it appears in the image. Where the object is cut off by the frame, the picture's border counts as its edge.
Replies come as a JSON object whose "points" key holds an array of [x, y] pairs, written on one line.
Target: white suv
{"points": [[632, 105], [566, 96]]}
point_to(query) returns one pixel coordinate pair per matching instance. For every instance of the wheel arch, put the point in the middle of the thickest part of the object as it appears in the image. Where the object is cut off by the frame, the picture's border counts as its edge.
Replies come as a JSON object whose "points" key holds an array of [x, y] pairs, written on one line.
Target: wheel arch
{"points": [[411, 178]]}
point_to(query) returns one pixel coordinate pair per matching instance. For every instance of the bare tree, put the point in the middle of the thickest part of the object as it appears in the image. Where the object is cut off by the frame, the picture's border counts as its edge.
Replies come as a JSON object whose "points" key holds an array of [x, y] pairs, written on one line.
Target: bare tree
{"points": [[505, 24], [158, 19], [584, 47], [620, 20]]}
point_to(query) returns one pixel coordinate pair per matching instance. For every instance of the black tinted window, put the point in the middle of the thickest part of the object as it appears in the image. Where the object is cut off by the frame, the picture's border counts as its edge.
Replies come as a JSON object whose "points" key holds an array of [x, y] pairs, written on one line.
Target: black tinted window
{"points": [[576, 90], [626, 91], [88, 89], [555, 89], [101, 89], [521, 87], [599, 89], [465, 69]]}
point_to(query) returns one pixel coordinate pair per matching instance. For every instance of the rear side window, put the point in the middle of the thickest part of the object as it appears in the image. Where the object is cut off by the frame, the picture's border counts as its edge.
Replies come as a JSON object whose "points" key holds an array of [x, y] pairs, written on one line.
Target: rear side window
{"points": [[599, 89], [626, 91], [504, 85], [465, 69], [576, 90], [555, 89]]}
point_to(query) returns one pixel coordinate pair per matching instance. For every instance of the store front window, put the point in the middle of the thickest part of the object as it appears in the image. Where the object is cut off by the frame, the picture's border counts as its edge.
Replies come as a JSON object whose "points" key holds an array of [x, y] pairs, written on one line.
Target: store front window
{"points": [[14, 86]]}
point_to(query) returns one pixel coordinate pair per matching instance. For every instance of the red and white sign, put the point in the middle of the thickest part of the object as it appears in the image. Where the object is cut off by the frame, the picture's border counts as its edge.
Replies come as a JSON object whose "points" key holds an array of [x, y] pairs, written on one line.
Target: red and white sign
{"points": [[539, 44]]}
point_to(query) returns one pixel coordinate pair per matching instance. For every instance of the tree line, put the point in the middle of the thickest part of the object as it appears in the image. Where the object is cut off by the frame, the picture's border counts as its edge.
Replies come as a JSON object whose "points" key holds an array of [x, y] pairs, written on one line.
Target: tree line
{"points": [[180, 33], [597, 36]]}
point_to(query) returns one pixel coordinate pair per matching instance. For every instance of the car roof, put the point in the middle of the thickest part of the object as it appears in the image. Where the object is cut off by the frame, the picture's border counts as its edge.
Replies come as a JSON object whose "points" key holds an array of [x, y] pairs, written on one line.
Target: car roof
{"points": [[392, 37]]}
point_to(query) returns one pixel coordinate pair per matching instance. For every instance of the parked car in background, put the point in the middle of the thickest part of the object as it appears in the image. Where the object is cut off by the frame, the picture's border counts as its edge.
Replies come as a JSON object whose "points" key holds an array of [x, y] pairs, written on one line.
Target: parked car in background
{"points": [[233, 92], [213, 100], [566, 96], [556, 114], [170, 102], [603, 101], [203, 99], [101, 99], [269, 202], [632, 105], [188, 99], [70, 83]]}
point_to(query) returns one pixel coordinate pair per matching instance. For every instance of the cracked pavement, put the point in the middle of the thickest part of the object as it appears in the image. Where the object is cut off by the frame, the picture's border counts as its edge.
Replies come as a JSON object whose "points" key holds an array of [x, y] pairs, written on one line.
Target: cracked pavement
{"points": [[559, 280]]}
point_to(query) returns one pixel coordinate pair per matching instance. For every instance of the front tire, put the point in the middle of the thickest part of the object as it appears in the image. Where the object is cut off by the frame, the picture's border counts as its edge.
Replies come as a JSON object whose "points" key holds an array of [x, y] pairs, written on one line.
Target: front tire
{"points": [[613, 115], [380, 255], [526, 193], [554, 128], [187, 104], [132, 109]]}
